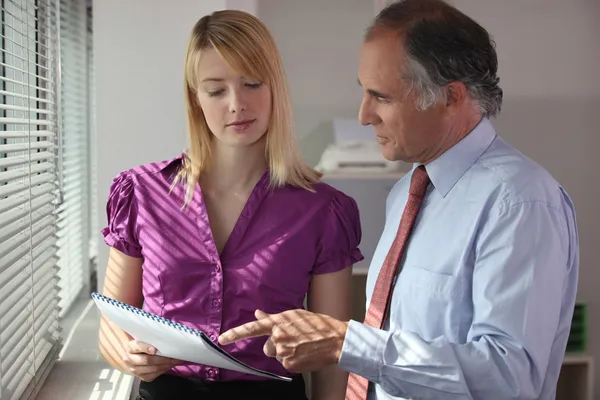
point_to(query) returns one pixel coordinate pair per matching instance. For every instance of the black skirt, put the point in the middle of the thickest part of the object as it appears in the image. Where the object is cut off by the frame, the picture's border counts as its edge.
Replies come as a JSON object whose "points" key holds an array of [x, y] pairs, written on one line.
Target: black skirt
{"points": [[171, 387]]}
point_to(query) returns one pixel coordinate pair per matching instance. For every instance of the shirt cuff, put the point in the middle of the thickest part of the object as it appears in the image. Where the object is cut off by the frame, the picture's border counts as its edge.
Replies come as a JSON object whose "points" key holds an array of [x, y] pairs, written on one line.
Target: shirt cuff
{"points": [[363, 350]]}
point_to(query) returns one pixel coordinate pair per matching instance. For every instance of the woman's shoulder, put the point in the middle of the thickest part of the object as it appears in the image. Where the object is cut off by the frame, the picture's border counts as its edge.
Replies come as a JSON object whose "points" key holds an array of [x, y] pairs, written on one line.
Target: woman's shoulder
{"points": [[327, 190], [134, 175], [127, 182], [322, 194], [151, 168]]}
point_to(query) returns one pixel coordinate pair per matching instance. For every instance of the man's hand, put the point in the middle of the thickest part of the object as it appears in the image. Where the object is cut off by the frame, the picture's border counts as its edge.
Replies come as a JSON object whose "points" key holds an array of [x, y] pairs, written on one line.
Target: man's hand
{"points": [[302, 341]]}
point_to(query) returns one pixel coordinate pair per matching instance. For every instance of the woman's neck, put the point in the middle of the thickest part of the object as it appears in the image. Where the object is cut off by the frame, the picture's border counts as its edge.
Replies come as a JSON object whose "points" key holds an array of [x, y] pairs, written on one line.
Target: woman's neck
{"points": [[234, 168]]}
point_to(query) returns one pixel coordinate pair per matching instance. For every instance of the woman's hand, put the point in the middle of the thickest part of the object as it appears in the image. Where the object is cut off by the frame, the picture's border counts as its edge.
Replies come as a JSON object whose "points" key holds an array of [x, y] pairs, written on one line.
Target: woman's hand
{"points": [[142, 361], [123, 282]]}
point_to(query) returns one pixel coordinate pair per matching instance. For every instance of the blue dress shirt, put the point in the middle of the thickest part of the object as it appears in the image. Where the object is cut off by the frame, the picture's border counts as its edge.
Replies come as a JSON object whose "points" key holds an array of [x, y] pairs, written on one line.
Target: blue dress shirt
{"points": [[483, 304]]}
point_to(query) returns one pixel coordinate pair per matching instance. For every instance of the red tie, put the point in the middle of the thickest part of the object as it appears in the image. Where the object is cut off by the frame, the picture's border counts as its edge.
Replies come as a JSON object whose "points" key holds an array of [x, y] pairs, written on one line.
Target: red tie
{"points": [[379, 307]]}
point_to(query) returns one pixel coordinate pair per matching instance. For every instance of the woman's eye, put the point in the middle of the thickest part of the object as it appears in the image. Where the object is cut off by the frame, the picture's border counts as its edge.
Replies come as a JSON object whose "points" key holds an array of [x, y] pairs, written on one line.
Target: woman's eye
{"points": [[254, 85], [215, 93]]}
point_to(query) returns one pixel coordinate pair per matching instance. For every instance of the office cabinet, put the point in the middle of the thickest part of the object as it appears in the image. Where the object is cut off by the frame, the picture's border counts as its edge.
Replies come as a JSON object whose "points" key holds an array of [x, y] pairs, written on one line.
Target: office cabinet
{"points": [[576, 381]]}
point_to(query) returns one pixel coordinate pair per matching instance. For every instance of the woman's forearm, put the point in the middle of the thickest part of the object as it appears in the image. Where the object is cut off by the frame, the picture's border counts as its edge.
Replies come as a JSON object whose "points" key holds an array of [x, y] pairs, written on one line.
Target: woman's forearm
{"points": [[112, 342], [123, 282]]}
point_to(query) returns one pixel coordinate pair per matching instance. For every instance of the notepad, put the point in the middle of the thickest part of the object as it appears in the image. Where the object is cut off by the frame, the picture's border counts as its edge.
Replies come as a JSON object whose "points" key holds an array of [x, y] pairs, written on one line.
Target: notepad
{"points": [[172, 339]]}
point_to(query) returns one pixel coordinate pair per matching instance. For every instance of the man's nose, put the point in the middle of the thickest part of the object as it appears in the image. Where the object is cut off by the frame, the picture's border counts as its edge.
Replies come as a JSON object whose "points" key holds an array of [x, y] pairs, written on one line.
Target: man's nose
{"points": [[364, 113]]}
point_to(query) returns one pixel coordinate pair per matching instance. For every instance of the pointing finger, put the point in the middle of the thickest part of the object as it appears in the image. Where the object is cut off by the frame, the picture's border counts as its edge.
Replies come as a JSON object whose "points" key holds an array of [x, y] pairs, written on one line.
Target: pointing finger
{"points": [[251, 329]]}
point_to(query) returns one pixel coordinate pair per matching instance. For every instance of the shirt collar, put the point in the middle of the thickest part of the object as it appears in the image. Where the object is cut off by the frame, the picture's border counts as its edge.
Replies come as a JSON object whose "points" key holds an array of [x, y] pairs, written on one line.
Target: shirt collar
{"points": [[169, 164], [173, 166], [447, 169]]}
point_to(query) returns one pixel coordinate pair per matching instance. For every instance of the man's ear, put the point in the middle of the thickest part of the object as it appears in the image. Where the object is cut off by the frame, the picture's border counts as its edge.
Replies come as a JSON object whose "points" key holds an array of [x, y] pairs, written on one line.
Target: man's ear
{"points": [[456, 95]]}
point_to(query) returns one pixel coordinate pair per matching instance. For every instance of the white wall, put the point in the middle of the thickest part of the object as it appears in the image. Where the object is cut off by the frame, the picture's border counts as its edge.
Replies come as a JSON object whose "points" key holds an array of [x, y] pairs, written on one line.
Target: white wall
{"points": [[546, 47], [549, 61], [250, 6], [319, 42]]}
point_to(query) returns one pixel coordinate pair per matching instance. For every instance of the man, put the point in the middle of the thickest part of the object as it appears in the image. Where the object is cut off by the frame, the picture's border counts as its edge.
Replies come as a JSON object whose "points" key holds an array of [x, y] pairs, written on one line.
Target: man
{"points": [[478, 304]]}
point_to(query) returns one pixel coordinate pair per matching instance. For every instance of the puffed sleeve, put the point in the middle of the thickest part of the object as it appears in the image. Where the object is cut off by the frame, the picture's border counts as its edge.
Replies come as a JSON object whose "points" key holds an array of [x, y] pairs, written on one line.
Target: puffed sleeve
{"points": [[121, 212], [341, 235]]}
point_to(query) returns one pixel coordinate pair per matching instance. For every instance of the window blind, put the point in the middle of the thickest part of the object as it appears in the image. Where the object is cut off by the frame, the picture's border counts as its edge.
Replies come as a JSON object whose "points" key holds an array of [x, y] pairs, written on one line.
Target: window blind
{"points": [[29, 331], [73, 212], [94, 229]]}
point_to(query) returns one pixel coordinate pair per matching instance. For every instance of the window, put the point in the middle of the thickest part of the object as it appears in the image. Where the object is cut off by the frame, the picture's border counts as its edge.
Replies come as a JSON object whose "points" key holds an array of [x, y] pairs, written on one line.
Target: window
{"points": [[73, 212], [94, 229], [29, 339]]}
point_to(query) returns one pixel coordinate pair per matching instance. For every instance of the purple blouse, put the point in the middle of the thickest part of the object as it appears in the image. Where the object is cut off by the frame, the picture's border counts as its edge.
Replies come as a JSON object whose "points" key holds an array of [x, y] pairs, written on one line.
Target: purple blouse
{"points": [[282, 237]]}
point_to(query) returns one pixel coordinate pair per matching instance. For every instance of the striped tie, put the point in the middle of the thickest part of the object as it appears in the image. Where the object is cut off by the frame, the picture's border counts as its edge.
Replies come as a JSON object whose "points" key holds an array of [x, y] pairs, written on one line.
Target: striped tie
{"points": [[378, 311]]}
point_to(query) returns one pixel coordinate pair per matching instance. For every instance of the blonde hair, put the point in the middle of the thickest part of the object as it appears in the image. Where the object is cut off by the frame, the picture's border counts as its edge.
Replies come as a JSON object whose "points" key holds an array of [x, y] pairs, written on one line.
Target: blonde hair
{"points": [[245, 43]]}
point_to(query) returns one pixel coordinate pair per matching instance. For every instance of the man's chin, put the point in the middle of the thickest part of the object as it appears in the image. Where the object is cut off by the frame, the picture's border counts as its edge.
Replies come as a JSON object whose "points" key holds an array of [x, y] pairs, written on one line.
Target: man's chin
{"points": [[395, 157], [388, 152]]}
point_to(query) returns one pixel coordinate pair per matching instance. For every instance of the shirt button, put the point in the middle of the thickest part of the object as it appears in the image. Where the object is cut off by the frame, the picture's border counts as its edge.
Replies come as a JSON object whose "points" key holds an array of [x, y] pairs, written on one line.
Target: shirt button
{"points": [[216, 302], [212, 374], [217, 268], [213, 337]]}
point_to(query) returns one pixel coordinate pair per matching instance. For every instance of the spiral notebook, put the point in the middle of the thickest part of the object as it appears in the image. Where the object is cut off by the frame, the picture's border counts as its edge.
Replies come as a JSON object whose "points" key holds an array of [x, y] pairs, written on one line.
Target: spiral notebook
{"points": [[172, 339]]}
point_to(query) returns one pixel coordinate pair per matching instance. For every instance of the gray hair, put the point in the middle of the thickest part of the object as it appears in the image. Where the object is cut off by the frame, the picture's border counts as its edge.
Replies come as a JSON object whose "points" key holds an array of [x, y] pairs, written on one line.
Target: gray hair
{"points": [[443, 45]]}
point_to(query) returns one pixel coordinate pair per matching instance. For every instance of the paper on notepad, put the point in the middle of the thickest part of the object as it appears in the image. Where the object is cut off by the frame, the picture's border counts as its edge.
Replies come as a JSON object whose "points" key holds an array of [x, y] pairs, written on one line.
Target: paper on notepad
{"points": [[172, 339]]}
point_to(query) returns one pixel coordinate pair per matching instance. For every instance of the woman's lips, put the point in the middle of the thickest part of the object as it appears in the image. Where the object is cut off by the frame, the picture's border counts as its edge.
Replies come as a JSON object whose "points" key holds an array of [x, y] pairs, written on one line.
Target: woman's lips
{"points": [[241, 126]]}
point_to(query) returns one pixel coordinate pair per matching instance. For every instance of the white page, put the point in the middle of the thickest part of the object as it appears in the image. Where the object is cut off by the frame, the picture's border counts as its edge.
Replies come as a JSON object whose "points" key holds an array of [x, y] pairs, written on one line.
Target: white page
{"points": [[169, 341]]}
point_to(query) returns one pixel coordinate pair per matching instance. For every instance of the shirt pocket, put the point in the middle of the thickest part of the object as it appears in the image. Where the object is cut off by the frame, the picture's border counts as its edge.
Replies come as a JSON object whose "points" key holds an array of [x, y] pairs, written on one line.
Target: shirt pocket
{"points": [[426, 302]]}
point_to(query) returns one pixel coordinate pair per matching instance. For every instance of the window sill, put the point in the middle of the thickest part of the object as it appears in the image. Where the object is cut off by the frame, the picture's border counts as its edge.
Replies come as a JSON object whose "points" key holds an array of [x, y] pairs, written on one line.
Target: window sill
{"points": [[81, 372]]}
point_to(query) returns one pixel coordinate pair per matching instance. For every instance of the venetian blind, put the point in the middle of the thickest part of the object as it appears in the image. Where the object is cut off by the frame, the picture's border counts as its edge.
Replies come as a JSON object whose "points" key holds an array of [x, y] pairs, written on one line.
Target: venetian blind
{"points": [[73, 212], [29, 339], [94, 230]]}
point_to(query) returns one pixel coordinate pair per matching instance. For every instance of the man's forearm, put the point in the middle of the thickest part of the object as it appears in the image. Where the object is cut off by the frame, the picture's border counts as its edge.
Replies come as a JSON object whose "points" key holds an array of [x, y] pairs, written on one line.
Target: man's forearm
{"points": [[405, 365]]}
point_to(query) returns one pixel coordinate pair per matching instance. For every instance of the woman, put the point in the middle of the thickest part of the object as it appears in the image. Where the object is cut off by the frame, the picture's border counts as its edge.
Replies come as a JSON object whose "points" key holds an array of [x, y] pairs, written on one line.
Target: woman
{"points": [[235, 224]]}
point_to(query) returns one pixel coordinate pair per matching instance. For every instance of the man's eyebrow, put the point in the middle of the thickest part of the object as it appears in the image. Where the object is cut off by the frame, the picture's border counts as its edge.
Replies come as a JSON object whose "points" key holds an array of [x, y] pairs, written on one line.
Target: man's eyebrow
{"points": [[374, 93]]}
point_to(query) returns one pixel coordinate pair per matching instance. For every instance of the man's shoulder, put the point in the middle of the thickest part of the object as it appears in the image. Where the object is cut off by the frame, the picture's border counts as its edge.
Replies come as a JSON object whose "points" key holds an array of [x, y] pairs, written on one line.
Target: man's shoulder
{"points": [[514, 177]]}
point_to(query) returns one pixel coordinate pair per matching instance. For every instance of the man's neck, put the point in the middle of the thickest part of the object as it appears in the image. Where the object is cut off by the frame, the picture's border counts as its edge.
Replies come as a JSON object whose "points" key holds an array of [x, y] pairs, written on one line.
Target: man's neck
{"points": [[234, 168], [457, 130]]}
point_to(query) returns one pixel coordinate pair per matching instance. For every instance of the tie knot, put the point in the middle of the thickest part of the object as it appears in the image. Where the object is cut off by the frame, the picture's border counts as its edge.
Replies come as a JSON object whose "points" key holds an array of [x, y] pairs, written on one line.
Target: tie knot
{"points": [[419, 181]]}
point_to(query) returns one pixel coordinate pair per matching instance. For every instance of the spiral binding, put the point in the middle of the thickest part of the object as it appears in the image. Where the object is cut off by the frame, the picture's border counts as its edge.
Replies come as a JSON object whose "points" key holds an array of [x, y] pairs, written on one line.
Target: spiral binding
{"points": [[180, 327], [146, 314]]}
